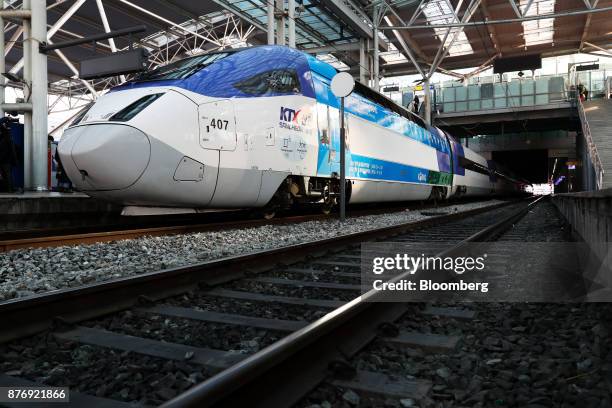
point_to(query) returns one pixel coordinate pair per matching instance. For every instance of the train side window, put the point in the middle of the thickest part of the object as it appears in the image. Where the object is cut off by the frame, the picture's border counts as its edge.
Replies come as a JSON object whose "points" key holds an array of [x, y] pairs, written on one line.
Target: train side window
{"points": [[270, 82]]}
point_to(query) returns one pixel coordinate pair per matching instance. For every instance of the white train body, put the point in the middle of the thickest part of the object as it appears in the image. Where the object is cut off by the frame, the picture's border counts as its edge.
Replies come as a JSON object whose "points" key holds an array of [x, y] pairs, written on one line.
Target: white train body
{"points": [[257, 127]]}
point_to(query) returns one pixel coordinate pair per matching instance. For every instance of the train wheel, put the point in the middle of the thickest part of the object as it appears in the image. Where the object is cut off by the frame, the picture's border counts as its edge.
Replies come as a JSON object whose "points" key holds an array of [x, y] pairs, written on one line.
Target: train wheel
{"points": [[326, 209], [268, 214]]}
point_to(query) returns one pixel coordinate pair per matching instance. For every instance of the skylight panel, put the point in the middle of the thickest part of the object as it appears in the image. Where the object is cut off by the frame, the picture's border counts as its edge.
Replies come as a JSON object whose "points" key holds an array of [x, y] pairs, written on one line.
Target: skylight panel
{"points": [[538, 31], [441, 12], [333, 61], [392, 55]]}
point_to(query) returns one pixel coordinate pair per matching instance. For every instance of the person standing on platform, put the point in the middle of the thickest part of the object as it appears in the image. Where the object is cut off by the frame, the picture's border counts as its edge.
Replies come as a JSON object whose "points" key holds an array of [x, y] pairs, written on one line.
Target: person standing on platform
{"points": [[63, 182], [8, 157], [415, 104], [581, 92]]}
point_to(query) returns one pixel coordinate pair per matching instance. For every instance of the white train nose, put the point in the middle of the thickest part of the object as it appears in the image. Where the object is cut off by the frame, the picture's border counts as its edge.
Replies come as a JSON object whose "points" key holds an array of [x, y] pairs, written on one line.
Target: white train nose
{"points": [[105, 156]]}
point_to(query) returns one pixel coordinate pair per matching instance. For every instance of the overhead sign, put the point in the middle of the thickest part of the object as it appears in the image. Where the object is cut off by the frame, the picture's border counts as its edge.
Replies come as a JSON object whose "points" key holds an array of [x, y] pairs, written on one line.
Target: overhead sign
{"points": [[520, 63], [393, 88], [117, 63], [589, 67]]}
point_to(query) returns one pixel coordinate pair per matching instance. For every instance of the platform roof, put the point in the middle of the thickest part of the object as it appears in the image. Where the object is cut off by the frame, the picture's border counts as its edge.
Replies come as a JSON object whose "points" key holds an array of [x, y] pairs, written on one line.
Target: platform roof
{"points": [[331, 29], [563, 34]]}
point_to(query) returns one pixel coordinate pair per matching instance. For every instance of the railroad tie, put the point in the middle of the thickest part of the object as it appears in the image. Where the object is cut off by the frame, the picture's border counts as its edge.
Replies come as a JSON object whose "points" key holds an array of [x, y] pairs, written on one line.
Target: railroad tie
{"points": [[377, 384], [347, 256], [338, 263], [306, 284], [210, 358], [431, 342], [226, 318], [287, 300], [319, 272], [450, 312]]}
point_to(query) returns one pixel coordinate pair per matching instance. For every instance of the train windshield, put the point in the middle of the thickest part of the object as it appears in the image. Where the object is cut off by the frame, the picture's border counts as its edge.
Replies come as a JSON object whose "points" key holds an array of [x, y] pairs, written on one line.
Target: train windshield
{"points": [[183, 68]]}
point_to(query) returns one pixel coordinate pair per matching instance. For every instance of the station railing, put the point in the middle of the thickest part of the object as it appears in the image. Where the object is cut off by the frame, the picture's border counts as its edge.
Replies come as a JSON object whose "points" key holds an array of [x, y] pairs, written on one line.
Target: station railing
{"points": [[592, 149], [501, 96]]}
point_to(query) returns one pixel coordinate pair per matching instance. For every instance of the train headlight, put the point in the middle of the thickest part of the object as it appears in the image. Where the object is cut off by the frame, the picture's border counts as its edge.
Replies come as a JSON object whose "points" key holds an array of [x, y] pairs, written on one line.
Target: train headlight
{"points": [[134, 108]]}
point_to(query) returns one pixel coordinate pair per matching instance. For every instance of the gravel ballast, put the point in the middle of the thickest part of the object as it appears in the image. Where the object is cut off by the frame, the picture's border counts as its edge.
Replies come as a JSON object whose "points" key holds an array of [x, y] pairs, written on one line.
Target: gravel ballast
{"points": [[25, 272]]}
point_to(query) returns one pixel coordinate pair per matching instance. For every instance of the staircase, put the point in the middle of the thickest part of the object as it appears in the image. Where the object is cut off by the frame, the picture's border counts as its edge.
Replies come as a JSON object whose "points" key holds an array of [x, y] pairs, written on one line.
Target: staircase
{"points": [[596, 118]]}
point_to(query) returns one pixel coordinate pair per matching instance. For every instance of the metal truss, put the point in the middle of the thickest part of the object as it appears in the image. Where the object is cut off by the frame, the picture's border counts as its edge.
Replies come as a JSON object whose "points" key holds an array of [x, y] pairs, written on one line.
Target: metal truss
{"points": [[519, 19], [198, 35], [524, 13]]}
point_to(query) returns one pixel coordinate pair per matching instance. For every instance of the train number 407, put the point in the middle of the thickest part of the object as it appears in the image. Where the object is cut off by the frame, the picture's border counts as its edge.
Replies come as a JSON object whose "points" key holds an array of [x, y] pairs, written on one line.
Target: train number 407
{"points": [[219, 124]]}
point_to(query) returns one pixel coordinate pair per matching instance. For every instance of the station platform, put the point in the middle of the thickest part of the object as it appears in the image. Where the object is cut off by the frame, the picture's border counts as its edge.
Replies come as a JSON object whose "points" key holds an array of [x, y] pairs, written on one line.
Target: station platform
{"points": [[41, 209]]}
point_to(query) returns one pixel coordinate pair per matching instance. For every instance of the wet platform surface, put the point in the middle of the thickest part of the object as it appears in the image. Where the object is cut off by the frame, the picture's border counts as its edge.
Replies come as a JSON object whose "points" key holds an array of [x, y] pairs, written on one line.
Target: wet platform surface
{"points": [[42, 209]]}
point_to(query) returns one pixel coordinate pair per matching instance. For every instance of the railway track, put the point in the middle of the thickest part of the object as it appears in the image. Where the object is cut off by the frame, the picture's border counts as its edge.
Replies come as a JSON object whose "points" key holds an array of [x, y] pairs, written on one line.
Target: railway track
{"points": [[258, 332], [50, 237]]}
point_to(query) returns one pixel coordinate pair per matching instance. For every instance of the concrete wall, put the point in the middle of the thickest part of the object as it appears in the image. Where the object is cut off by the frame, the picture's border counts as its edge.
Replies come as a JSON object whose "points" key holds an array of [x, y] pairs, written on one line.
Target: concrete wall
{"points": [[559, 143], [590, 215]]}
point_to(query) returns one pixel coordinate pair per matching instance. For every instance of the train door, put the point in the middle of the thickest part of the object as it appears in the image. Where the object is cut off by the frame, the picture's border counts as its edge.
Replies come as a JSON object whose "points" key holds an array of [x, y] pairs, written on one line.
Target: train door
{"points": [[329, 140], [218, 125], [333, 118]]}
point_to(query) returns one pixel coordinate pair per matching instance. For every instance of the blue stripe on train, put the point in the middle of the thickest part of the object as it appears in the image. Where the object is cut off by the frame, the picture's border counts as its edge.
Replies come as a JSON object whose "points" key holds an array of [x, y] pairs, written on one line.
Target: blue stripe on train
{"points": [[372, 112], [368, 168]]}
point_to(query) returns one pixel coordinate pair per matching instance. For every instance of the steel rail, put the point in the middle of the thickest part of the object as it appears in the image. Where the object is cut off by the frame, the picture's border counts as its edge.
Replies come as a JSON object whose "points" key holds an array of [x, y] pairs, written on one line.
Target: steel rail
{"points": [[271, 376], [27, 316], [41, 238], [119, 234]]}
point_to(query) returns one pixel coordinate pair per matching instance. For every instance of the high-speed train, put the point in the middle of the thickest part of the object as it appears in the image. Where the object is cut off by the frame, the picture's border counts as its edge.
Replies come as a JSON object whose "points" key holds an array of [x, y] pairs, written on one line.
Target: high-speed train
{"points": [[260, 127]]}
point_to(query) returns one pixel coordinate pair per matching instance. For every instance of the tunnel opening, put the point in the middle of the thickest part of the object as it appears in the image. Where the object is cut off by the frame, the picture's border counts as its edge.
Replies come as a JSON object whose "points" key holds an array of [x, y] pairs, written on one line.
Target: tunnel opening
{"points": [[531, 165], [536, 166]]}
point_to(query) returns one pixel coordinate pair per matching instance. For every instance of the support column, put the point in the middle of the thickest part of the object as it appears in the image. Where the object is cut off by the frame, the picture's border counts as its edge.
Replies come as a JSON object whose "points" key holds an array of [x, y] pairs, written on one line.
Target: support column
{"points": [[362, 61], [376, 59], [280, 22], [271, 22], [291, 22], [2, 67], [40, 142], [427, 102], [370, 70], [27, 116]]}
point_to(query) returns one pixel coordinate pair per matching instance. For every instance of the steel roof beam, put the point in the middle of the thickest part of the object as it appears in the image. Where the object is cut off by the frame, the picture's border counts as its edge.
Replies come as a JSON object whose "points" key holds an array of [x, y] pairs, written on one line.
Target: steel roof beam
{"points": [[490, 28], [515, 8], [56, 26], [598, 48], [165, 20], [327, 49], [587, 24], [414, 47], [526, 9], [352, 15], [405, 48], [443, 47], [13, 40], [111, 41], [240, 13], [504, 21]]}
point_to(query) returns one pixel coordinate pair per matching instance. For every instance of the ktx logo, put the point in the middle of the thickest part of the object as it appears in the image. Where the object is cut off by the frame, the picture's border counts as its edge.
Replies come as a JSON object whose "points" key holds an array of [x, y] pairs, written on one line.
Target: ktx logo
{"points": [[289, 115]]}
